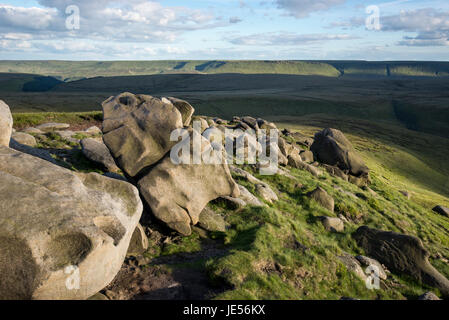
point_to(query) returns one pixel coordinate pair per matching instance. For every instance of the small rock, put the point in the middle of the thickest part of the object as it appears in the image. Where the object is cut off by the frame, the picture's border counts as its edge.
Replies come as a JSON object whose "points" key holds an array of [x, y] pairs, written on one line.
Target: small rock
{"points": [[24, 138], [365, 261], [33, 130], [99, 153], [51, 126], [441, 210], [249, 198], [406, 194], [266, 193], [234, 203], [211, 221], [306, 156], [93, 130], [428, 296], [138, 243], [352, 265], [333, 224], [323, 198]]}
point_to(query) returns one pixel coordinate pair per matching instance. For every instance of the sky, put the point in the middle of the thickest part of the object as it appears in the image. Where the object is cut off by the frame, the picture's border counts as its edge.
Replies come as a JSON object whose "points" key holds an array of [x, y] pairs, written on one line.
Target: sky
{"points": [[224, 30]]}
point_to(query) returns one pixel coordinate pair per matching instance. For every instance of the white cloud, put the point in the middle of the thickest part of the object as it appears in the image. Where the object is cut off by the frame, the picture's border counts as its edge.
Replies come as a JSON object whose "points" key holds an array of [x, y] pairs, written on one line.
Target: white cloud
{"points": [[302, 8], [286, 39]]}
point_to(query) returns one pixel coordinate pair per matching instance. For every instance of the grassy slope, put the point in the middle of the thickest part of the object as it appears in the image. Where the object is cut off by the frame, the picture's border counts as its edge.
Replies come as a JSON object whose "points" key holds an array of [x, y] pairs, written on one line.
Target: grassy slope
{"points": [[82, 69], [283, 252]]}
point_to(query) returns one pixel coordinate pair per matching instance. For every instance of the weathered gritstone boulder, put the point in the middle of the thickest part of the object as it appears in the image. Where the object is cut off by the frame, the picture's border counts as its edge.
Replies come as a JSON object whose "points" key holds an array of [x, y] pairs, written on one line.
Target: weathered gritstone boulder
{"points": [[137, 130], [249, 198], [54, 223], [99, 153], [33, 130], [24, 138], [184, 108], [331, 147], [138, 243], [5, 124], [262, 189], [401, 253], [177, 193]]}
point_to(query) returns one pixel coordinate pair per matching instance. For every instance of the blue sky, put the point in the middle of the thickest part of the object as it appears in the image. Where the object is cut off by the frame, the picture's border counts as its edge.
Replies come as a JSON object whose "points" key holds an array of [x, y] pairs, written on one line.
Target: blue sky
{"points": [[225, 29]]}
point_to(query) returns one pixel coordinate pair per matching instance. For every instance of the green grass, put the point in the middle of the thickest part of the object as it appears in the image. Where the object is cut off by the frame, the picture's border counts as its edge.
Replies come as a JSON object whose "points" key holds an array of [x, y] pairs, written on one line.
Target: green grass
{"points": [[73, 70], [25, 120]]}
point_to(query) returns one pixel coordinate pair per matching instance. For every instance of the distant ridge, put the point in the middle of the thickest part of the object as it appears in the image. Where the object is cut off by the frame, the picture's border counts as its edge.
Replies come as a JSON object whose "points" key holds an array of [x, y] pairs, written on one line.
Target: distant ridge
{"points": [[75, 70]]}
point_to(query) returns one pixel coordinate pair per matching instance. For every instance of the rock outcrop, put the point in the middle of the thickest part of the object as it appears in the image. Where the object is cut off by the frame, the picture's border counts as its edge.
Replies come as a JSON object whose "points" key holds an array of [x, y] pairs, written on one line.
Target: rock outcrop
{"points": [[99, 153], [177, 193], [331, 147], [441, 210], [52, 219], [63, 235], [401, 253], [137, 129]]}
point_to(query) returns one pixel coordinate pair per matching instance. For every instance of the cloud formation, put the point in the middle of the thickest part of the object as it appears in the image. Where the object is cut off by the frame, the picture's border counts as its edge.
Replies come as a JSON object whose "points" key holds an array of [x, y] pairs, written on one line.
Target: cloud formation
{"points": [[302, 8], [286, 39]]}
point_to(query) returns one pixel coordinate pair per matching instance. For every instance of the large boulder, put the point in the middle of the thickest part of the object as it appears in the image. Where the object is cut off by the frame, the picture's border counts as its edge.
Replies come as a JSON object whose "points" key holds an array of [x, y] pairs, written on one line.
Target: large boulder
{"points": [[63, 235], [333, 148], [178, 192], [5, 124], [401, 253], [137, 129], [99, 153]]}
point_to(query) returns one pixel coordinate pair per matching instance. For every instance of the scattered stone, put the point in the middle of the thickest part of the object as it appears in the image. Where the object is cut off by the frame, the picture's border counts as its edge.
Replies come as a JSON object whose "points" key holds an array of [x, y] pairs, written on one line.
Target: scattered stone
{"points": [[323, 198], [54, 219], [5, 124], [333, 148], [211, 221], [251, 122], [333, 224], [24, 138], [32, 130], [353, 265], [441, 210], [406, 194], [52, 126], [306, 156], [98, 153], [401, 253], [93, 130], [137, 130], [336, 172], [428, 296], [266, 193], [366, 261], [249, 198], [234, 203], [138, 243]]}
